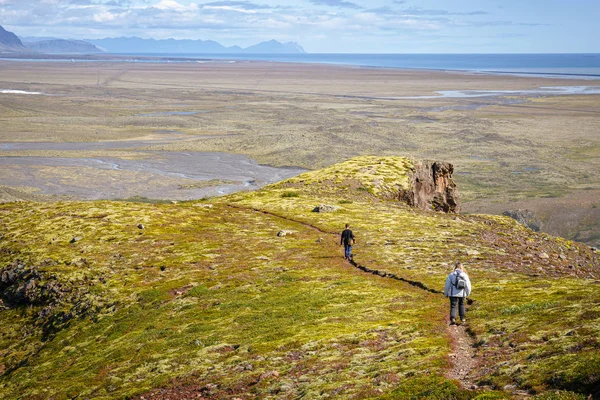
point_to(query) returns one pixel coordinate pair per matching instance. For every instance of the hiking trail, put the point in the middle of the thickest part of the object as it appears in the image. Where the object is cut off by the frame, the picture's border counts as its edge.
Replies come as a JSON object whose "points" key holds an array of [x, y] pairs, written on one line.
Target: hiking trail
{"points": [[462, 359]]}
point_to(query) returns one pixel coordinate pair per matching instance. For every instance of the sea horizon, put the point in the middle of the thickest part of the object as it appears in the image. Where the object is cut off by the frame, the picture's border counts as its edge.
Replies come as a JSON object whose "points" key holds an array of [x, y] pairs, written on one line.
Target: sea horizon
{"points": [[557, 65], [584, 65]]}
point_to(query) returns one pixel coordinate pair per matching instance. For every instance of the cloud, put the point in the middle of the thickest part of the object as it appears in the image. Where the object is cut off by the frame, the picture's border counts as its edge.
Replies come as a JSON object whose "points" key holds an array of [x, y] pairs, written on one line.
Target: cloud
{"points": [[336, 3], [246, 5], [119, 3], [172, 5], [105, 17], [433, 12]]}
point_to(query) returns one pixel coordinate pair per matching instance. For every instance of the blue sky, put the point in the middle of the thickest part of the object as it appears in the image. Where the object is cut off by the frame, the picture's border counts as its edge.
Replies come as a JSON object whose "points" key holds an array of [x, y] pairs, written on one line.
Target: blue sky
{"points": [[326, 26]]}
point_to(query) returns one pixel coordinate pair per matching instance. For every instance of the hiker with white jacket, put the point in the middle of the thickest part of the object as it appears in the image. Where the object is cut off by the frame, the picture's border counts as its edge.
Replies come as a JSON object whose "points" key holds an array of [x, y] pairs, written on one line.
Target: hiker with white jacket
{"points": [[458, 287]]}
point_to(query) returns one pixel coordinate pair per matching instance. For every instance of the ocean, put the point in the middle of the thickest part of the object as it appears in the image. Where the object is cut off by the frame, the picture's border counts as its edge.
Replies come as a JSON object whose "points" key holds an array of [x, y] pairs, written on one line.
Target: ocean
{"points": [[564, 65], [581, 66]]}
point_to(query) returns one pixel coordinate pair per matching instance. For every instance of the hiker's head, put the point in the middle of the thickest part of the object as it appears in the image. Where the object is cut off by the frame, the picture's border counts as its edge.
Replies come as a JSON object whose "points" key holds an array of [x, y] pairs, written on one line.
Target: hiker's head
{"points": [[458, 265], [347, 225]]}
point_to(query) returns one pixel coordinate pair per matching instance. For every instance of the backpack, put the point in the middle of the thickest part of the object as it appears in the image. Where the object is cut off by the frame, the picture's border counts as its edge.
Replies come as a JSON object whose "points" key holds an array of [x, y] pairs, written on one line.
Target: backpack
{"points": [[460, 283]]}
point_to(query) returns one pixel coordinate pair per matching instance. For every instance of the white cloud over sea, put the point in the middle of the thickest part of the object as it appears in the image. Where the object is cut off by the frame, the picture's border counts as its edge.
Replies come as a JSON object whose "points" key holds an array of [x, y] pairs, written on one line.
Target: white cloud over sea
{"points": [[322, 25]]}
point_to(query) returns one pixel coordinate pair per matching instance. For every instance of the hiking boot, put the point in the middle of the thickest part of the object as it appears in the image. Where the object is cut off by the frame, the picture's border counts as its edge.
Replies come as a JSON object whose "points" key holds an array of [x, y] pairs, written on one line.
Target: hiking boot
{"points": [[452, 322], [463, 321]]}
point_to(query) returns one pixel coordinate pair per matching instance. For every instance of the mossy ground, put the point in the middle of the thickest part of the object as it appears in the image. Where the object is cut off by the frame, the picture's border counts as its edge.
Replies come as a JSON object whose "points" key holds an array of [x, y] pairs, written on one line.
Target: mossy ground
{"points": [[207, 296]]}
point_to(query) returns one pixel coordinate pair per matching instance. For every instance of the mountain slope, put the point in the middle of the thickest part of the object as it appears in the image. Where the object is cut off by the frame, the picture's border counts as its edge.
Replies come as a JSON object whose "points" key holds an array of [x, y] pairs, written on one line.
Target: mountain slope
{"points": [[205, 298], [273, 46], [62, 46], [9, 42]]}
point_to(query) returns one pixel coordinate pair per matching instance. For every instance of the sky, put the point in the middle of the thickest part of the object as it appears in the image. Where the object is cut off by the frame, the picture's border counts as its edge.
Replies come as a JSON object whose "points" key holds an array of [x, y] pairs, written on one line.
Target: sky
{"points": [[325, 26]]}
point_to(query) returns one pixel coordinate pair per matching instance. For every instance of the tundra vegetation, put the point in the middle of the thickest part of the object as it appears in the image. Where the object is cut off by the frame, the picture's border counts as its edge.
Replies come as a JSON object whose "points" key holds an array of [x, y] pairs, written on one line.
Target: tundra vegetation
{"points": [[124, 299]]}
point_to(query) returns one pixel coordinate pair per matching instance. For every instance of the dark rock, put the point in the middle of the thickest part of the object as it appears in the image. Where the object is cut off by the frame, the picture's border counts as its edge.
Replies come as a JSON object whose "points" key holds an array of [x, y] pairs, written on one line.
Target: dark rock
{"points": [[163, 267], [525, 217], [75, 239], [56, 302], [140, 226]]}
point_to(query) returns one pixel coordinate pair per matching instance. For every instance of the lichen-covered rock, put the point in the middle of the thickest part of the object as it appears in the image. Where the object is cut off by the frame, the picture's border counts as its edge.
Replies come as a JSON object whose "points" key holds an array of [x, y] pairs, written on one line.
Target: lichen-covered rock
{"points": [[323, 208], [285, 232]]}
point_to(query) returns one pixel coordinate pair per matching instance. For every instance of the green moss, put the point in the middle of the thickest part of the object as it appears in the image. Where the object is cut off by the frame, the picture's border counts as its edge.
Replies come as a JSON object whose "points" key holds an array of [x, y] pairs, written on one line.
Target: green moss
{"points": [[289, 194]]}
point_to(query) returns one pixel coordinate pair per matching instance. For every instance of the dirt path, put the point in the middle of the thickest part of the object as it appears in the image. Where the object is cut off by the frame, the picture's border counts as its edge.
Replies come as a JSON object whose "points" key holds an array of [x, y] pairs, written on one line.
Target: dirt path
{"points": [[462, 357]]}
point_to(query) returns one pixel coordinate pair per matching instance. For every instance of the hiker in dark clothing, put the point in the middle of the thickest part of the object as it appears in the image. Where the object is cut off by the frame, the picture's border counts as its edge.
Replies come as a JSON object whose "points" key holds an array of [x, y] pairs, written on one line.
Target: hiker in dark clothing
{"points": [[347, 239], [458, 287]]}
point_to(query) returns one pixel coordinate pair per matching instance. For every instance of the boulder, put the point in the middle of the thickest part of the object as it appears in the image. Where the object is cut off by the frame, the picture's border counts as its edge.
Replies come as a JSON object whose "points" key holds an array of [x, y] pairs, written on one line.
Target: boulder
{"points": [[285, 232]]}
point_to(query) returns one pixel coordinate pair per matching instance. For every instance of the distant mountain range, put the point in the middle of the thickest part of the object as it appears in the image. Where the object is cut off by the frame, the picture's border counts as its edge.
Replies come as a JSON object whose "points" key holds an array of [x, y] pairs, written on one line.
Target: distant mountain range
{"points": [[9, 42], [172, 46]]}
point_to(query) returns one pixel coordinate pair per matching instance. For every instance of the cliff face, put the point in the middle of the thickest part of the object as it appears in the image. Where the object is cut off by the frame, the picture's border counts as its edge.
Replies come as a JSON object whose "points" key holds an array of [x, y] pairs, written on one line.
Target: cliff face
{"points": [[433, 187]]}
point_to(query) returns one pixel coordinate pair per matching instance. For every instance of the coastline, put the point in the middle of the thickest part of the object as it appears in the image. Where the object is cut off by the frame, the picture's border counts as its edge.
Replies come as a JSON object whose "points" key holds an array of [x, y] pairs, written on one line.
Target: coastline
{"points": [[519, 65]]}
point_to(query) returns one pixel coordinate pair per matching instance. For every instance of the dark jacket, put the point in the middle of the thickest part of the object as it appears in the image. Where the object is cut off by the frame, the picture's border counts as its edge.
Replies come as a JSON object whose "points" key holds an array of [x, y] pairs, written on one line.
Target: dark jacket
{"points": [[347, 237]]}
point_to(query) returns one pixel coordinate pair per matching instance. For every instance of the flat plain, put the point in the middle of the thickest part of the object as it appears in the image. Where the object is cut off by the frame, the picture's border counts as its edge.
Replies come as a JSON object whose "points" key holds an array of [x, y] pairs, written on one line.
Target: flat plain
{"points": [[510, 150]]}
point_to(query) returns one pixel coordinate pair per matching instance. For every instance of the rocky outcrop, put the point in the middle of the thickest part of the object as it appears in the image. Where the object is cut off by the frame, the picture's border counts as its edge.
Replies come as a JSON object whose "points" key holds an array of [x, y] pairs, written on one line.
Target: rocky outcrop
{"points": [[432, 187], [424, 184], [56, 301], [23, 285], [525, 217]]}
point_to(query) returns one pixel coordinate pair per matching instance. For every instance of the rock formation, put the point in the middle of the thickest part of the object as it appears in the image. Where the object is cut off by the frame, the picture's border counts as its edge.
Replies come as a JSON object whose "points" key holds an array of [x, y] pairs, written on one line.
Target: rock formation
{"points": [[424, 184], [433, 187]]}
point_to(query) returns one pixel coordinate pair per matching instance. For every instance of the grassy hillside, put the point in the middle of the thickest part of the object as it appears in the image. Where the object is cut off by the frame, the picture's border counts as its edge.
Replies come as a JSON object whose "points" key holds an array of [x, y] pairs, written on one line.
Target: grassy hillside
{"points": [[204, 299]]}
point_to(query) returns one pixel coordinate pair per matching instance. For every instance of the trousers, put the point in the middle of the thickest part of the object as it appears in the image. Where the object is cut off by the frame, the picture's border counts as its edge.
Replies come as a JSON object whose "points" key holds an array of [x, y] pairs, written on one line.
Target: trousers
{"points": [[457, 303], [348, 251]]}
